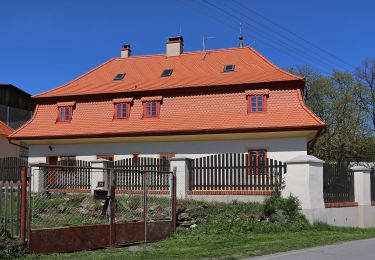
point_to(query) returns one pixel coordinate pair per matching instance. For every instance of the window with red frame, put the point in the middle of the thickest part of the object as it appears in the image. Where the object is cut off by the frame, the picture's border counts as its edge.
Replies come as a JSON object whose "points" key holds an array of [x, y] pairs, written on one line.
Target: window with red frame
{"points": [[257, 103], [122, 110], [151, 108], [106, 157], [65, 114], [257, 161]]}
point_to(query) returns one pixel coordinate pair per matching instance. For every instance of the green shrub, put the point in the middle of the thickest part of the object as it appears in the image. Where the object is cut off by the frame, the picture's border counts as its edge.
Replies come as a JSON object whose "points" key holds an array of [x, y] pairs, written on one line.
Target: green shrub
{"points": [[9, 247], [282, 210]]}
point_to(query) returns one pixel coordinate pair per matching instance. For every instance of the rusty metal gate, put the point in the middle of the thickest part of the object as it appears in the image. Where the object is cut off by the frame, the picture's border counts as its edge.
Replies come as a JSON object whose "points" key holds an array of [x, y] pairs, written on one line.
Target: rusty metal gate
{"points": [[61, 219]]}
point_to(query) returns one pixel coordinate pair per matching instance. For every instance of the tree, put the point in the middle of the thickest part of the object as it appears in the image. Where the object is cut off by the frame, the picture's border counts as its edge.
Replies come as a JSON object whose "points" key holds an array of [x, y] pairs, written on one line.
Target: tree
{"points": [[337, 100], [366, 75]]}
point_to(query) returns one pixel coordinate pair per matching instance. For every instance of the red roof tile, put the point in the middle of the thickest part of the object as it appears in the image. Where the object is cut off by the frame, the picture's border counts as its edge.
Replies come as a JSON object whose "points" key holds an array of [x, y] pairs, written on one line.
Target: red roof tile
{"points": [[5, 130], [190, 69], [178, 114], [216, 111]]}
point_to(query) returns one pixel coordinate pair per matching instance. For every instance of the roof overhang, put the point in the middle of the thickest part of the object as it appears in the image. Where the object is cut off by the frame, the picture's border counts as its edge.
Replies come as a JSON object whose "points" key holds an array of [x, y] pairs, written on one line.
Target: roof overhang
{"points": [[308, 132]]}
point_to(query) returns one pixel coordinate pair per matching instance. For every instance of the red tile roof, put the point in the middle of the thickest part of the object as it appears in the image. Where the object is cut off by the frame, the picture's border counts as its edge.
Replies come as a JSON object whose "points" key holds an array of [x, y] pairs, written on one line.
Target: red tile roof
{"points": [[5, 130], [203, 113], [190, 69], [220, 110]]}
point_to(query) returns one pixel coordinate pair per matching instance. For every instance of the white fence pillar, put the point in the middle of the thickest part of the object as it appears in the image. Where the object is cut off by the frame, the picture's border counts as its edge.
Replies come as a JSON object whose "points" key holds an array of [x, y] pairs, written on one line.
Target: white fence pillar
{"points": [[304, 180], [182, 175], [99, 173], [362, 185], [362, 195]]}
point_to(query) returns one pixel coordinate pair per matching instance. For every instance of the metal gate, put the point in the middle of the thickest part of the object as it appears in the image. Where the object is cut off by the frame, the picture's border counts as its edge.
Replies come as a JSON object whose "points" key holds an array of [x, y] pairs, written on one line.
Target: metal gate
{"points": [[60, 221]]}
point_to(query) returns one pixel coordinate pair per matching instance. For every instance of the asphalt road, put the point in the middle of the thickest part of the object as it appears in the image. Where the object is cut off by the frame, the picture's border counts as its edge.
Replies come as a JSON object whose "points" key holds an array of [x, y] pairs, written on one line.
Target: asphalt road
{"points": [[360, 249]]}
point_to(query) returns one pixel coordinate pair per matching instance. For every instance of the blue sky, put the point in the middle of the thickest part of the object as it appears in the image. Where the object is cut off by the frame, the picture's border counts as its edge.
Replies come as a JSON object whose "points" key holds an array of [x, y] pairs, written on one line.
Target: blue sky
{"points": [[47, 43]]}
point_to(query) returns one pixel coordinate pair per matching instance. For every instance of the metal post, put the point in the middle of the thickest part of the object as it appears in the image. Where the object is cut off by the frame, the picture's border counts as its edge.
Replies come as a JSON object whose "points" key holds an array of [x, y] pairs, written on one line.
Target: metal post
{"points": [[23, 203], [145, 203], [112, 190], [174, 206]]}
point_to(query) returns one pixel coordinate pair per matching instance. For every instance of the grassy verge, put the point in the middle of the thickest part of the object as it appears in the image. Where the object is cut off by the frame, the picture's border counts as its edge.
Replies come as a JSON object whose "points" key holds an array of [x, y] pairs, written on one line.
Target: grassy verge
{"points": [[229, 231]]}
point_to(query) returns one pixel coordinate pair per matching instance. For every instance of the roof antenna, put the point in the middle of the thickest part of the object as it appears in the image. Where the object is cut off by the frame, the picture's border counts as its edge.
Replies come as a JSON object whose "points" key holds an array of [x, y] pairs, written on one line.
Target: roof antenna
{"points": [[204, 39], [241, 36]]}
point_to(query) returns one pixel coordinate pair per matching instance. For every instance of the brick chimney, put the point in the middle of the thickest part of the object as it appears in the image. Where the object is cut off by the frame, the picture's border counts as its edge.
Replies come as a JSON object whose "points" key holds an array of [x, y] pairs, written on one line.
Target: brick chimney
{"points": [[126, 51], [175, 46]]}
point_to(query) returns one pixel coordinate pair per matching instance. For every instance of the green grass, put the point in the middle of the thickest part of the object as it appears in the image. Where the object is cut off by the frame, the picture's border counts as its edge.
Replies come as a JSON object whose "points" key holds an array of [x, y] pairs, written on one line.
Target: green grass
{"points": [[194, 244], [228, 231]]}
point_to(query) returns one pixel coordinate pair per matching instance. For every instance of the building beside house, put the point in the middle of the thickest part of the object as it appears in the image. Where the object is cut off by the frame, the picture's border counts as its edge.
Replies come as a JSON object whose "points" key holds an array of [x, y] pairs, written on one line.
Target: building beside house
{"points": [[16, 106], [189, 104], [7, 149]]}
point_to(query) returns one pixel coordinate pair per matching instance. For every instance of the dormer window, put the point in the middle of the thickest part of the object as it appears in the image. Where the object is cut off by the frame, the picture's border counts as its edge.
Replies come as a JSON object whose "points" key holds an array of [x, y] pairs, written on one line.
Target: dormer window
{"points": [[166, 73], [122, 110], [257, 103], [151, 108], [65, 114], [119, 76], [229, 68]]}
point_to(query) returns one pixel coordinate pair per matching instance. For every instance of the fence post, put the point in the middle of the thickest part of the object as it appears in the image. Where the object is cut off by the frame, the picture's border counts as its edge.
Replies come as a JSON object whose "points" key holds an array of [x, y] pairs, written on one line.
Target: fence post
{"points": [[362, 185], [174, 199], [304, 179], [23, 203], [99, 173], [362, 195], [182, 175]]}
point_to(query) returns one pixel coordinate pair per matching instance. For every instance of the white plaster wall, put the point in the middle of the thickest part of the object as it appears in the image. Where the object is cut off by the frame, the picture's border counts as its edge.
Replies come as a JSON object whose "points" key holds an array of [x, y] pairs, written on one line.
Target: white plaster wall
{"points": [[6, 149], [279, 148]]}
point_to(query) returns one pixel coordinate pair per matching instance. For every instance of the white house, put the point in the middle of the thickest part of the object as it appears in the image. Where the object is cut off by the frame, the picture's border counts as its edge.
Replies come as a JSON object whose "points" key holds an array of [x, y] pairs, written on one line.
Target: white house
{"points": [[179, 103]]}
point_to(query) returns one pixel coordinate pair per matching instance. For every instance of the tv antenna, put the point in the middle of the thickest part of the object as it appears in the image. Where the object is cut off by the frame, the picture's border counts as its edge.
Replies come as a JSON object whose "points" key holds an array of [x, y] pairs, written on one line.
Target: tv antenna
{"points": [[241, 37], [204, 39]]}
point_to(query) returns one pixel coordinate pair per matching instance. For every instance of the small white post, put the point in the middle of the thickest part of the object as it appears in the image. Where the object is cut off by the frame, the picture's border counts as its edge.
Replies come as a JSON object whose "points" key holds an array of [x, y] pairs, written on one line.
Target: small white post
{"points": [[182, 175], [362, 195], [99, 174], [362, 185], [304, 179]]}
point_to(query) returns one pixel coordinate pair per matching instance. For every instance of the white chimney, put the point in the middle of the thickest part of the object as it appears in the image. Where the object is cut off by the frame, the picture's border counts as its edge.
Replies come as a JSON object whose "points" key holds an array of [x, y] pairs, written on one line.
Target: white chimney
{"points": [[126, 51], [175, 46]]}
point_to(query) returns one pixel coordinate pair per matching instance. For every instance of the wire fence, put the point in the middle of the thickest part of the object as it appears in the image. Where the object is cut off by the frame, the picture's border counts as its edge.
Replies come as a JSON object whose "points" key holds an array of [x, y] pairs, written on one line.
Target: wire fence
{"points": [[52, 208]]}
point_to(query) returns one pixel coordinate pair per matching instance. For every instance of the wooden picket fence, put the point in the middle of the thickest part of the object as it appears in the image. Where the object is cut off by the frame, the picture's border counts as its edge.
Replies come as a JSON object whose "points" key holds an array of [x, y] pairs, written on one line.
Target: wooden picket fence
{"points": [[130, 177], [10, 194], [10, 168], [235, 171], [69, 175]]}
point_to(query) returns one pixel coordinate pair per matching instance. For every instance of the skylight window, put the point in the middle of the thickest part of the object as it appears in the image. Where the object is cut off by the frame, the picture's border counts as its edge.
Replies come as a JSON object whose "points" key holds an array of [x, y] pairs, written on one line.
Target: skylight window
{"points": [[229, 68], [166, 73], [119, 76]]}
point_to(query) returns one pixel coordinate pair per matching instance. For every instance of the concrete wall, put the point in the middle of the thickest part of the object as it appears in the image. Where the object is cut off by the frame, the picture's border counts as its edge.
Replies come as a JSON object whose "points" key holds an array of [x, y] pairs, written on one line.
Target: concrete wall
{"points": [[6, 149], [278, 148]]}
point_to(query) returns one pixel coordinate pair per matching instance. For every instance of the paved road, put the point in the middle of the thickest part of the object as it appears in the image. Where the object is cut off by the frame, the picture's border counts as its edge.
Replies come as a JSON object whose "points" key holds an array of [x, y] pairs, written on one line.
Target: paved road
{"points": [[355, 250]]}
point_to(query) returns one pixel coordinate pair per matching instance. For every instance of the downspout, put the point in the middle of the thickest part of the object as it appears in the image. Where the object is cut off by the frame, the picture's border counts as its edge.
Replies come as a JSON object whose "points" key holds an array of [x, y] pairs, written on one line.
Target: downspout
{"points": [[311, 143], [19, 145]]}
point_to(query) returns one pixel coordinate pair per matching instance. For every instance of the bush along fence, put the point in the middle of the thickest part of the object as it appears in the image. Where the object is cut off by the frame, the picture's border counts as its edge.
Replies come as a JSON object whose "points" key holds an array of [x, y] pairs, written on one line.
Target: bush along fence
{"points": [[234, 172]]}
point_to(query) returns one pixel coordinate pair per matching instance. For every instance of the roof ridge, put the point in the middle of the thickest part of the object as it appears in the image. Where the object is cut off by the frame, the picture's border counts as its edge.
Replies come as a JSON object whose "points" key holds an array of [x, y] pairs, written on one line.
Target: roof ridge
{"points": [[273, 65], [84, 74]]}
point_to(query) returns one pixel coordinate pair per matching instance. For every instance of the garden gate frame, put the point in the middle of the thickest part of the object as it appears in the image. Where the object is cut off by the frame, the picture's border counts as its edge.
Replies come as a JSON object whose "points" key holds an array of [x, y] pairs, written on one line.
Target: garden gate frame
{"points": [[74, 238]]}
